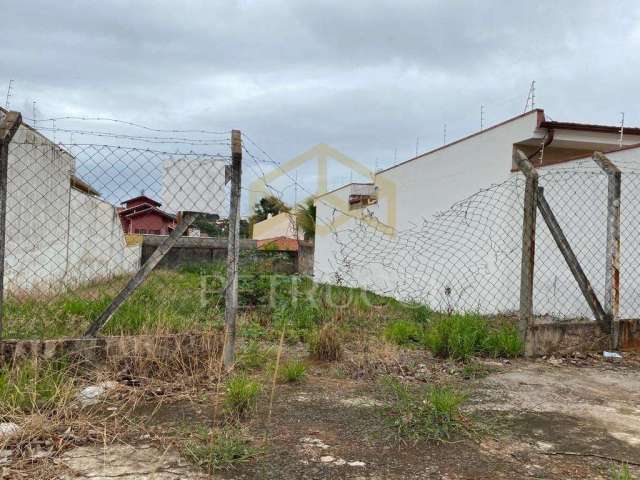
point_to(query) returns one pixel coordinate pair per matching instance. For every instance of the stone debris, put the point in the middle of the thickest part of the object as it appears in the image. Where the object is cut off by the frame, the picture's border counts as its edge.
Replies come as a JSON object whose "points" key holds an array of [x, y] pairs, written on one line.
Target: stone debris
{"points": [[313, 442], [5, 456], [357, 463], [9, 430], [327, 459], [91, 395], [361, 402], [126, 462]]}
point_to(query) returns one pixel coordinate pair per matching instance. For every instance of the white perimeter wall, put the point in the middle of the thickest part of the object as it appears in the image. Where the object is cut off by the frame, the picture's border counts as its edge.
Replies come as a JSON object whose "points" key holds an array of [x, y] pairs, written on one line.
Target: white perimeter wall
{"points": [[57, 236]]}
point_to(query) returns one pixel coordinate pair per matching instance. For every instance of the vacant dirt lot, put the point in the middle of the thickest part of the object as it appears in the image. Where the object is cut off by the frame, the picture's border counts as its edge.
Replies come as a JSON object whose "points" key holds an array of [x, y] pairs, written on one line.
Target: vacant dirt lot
{"points": [[551, 419]]}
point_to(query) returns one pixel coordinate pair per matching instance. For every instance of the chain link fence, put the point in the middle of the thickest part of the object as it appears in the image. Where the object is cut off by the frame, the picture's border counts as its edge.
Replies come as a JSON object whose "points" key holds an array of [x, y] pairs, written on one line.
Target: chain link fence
{"points": [[468, 258], [77, 213]]}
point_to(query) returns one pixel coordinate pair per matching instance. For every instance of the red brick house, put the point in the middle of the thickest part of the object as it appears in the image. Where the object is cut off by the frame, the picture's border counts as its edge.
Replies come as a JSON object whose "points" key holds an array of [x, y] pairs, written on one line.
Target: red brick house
{"points": [[142, 215]]}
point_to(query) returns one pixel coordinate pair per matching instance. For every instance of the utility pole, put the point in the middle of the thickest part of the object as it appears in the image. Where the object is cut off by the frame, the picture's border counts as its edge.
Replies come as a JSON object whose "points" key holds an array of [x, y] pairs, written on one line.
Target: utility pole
{"points": [[621, 128], [481, 117], [417, 145], [444, 134]]}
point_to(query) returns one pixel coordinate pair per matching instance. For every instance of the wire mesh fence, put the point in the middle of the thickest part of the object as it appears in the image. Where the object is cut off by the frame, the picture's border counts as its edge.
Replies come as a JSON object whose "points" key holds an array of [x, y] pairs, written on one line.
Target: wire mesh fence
{"points": [[77, 212], [468, 257]]}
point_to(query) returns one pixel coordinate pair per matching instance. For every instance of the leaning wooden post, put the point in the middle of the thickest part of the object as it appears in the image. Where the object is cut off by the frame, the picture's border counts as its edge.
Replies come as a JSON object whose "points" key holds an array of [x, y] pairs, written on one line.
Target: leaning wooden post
{"points": [[528, 241], [233, 252], [8, 128], [612, 265], [141, 275], [572, 262]]}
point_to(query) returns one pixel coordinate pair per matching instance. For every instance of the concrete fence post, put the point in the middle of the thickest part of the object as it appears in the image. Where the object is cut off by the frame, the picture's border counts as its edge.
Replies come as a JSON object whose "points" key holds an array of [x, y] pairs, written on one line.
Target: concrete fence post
{"points": [[528, 241], [8, 127], [233, 252], [612, 260]]}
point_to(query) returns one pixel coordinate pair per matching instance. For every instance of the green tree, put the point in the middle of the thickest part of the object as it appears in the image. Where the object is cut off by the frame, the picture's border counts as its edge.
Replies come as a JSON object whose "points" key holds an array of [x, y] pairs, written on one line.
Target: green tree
{"points": [[306, 218], [267, 205]]}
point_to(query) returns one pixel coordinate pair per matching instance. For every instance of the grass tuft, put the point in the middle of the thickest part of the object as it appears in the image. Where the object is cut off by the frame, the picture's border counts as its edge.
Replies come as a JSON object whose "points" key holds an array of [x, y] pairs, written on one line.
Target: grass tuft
{"points": [[31, 386], [221, 450], [253, 356], [621, 473], [461, 336], [403, 332], [432, 413], [325, 344], [293, 371], [241, 396]]}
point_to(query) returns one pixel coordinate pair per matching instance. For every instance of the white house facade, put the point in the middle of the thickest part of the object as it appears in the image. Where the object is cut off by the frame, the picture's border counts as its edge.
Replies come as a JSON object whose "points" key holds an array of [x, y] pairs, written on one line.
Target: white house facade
{"points": [[444, 228]]}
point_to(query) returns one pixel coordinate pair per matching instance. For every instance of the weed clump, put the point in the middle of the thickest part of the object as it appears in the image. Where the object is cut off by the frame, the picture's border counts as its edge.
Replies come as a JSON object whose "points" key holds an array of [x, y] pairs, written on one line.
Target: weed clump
{"points": [[241, 396], [293, 371], [433, 413], [253, 356], [403, 332], [221, 450], [621, 473], [31, 386], [461, 336], [325, 344]]}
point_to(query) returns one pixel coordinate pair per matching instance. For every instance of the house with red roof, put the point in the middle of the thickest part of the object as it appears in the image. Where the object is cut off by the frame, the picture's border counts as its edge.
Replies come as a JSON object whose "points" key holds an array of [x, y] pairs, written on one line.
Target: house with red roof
{"points": [[143, 215]]}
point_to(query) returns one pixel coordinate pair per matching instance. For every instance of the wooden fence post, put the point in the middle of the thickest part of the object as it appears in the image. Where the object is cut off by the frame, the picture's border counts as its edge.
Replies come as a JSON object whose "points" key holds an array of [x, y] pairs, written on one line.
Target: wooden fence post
{"points": [[8, 127], [612, 265], [233, 252], [528, 241]]}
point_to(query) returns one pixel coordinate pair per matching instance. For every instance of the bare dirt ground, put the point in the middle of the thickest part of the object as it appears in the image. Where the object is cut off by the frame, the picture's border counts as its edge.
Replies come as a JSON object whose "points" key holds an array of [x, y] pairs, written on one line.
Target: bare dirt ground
{"points": [[545, 419]]}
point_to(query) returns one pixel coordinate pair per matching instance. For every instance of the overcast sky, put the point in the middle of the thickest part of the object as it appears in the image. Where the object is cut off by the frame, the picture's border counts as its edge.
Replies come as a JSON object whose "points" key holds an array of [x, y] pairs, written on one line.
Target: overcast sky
{"points": [[367, 77]]}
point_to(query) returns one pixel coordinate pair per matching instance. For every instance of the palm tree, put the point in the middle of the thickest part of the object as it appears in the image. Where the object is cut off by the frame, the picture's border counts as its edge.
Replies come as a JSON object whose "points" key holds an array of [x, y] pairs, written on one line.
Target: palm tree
{"points": [[305, 213]]}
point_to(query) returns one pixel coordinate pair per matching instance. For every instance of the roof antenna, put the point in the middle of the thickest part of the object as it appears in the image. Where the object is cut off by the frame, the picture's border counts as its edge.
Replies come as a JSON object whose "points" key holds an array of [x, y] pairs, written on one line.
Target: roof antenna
{"points": [[444, 134], [481, 117], [417, 145], [34, 114], [531, 98], [621, 128], [6, 103]]}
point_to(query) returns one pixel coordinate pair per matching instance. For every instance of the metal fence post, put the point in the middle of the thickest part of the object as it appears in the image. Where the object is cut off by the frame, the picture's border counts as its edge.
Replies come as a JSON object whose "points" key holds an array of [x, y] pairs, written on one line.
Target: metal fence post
{"points": [[8, 128], [612, 265], [233, 252], [528, 241]]}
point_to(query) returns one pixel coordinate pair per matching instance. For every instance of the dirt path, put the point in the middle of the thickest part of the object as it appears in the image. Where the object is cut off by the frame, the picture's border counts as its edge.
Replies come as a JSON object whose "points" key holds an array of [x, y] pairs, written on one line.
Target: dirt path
{"points": [[551, 422]]}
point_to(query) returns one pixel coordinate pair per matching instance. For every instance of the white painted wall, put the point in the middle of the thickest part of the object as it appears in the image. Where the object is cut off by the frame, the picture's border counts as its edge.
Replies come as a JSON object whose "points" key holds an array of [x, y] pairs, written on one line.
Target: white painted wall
{"points": [[57, 236], [459, 217]]}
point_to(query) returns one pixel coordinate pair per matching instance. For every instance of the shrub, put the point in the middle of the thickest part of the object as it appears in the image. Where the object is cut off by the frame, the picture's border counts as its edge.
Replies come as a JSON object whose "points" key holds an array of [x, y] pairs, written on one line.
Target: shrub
{"points": [[432, 413], [241, 396], [325, 344], [220, 451], [293, 371], [403, 332]]}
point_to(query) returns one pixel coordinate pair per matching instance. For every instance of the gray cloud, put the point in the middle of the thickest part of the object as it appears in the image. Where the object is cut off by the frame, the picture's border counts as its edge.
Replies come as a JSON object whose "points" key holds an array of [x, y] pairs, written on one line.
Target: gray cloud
{"points": [[368, 77]]}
